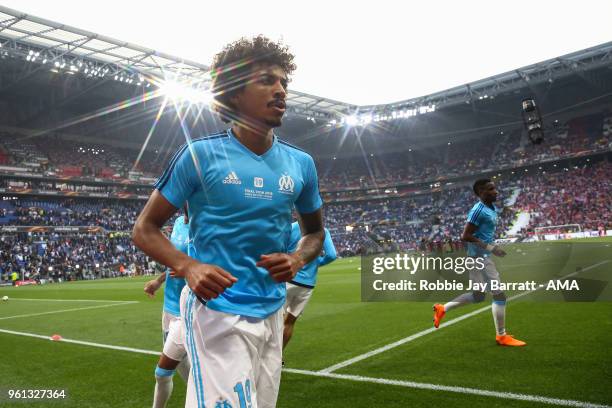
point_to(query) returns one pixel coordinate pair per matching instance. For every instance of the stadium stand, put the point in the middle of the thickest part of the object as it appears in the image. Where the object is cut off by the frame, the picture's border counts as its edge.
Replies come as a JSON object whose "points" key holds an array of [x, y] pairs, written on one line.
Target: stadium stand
{"points": [[71, 198], [579, 136], [426, 222]]}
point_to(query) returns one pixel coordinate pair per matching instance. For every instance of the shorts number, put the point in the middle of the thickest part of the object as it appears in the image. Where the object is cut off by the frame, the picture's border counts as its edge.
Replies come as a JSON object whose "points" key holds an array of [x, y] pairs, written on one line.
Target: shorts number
{"points": [[244, 393]]}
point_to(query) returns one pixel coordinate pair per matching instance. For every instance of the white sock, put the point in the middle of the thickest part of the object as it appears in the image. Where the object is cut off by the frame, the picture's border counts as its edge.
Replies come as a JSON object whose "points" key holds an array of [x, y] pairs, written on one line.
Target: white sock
{"points": [[499, 316], [183, 369], [460, 300], [163, 387]]}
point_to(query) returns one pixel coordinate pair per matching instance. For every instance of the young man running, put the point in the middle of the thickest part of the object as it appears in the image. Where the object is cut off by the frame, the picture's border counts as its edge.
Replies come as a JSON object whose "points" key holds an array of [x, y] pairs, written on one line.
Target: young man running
{"points": [[479, 233], [241, 185]]}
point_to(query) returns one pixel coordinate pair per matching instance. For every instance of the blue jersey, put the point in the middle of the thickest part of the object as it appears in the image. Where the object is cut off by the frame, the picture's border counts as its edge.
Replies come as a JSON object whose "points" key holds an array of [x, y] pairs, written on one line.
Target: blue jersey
{"points": [[174, 286], [307, 276], [485, 218], [240, 206]]}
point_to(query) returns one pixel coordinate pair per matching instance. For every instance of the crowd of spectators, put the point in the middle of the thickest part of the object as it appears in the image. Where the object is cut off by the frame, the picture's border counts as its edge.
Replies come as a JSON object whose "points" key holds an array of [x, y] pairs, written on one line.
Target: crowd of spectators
{"points": [[496, 151], [429, 218], [59, 257], [53, 156], [112, 215], [568, 196], [419, 220], [572, 196], [62, 186]]}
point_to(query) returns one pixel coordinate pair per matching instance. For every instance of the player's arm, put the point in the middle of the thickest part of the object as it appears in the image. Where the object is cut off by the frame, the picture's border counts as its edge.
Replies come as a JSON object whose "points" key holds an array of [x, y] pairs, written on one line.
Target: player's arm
{"points": [[147, 233], [310, 245], [468, 236], [153, 285], [330, 253], [284, 267], [207, 281]]}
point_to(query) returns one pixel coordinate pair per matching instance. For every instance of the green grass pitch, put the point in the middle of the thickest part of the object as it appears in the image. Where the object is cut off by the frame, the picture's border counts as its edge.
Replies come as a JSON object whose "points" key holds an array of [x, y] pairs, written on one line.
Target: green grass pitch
{"points": [[568, 356]]}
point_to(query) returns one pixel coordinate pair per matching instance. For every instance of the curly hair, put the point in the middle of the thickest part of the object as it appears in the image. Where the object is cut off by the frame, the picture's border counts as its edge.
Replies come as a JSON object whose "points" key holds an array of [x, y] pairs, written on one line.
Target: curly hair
{"points": [[232, 67]]}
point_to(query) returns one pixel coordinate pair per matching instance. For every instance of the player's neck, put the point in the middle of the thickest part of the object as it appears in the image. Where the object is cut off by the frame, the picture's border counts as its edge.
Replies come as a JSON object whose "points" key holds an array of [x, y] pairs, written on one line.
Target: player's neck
{"points": [[487, 203], [258, 141]]}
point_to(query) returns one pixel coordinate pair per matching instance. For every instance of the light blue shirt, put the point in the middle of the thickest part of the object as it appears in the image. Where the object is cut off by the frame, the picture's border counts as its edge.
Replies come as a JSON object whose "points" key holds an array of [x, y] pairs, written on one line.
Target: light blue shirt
{"points": [[307, 276], [240, 208], [174, 285], [485, 218]]}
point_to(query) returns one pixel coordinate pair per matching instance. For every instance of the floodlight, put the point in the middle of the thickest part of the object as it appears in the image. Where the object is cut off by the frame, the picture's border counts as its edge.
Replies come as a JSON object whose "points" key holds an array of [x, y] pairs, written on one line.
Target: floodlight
{"points": [[181, 91], [351, 120]]}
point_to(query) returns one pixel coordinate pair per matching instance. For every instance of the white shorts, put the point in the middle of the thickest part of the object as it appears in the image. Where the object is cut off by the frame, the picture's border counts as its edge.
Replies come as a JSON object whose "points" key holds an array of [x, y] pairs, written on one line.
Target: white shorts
{"points": [[297, 299], [167, 319], [486, 275], [174, 346], [235, 360]]}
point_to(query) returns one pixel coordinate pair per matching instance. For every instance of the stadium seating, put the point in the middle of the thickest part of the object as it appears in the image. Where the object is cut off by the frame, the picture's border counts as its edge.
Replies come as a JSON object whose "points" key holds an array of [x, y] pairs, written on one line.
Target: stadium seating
{"points": [[425, 219], [578, 136]]}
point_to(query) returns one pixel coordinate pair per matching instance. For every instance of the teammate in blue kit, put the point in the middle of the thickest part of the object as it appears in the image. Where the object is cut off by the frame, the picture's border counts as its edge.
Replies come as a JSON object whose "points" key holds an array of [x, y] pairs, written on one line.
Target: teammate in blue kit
{"points": [[299, 289], [173, 355], [241, 186], [479, 233]]}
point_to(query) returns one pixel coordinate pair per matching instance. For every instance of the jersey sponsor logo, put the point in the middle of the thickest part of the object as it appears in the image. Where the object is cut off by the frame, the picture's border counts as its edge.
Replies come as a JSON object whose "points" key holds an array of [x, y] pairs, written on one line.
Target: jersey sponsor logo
{"points": [[258, 182], [223, 404], [232, 178], [286, 184]]}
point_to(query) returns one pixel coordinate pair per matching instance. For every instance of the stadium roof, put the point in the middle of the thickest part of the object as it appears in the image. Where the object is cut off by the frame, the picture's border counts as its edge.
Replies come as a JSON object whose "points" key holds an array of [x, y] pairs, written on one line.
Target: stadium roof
{"points": [[54, 42], [47, 42]]}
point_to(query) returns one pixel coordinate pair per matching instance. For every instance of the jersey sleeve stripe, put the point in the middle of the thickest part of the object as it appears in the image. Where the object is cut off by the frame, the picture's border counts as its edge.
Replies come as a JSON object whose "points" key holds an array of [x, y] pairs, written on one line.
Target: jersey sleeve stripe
{"points": [[474, 216], [163, 179]]}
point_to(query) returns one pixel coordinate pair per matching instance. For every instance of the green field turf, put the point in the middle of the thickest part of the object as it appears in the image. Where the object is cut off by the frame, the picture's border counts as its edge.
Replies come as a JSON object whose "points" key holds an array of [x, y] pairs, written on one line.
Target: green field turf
{"points": [[568, 355]]}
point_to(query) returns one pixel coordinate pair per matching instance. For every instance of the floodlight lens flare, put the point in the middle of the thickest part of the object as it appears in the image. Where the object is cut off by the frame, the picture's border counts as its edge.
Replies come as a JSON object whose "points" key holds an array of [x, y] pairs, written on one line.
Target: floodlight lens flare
{"points": [[182, 91]]}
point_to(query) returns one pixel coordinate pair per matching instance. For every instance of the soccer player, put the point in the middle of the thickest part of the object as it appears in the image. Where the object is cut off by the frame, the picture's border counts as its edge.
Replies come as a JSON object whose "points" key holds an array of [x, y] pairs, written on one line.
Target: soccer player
{"points": [[241, 186], [173, 356], [479, 233], [299, 289]]}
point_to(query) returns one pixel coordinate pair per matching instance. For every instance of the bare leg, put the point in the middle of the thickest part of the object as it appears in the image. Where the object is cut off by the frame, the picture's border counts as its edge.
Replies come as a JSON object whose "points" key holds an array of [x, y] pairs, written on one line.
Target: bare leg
{"points": [[288, 329]]}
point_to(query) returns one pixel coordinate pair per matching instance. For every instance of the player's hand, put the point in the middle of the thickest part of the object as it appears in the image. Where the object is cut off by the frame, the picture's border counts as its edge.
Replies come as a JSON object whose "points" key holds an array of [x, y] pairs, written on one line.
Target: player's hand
{"points": [[208, 281], [151, 287], [497, 251], [282, 267]]}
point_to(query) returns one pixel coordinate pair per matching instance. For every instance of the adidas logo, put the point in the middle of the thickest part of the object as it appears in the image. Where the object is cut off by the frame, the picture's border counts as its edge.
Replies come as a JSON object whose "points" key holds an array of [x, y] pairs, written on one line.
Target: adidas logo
{"points": [[232, 178]]}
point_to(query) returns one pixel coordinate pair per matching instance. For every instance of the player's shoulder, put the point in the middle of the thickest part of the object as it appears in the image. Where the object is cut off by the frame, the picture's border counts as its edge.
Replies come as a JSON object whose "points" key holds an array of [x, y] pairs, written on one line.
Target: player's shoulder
{"points": [[215, 138], [478, 206], [295, 151], [197, 143], [204, 141]]}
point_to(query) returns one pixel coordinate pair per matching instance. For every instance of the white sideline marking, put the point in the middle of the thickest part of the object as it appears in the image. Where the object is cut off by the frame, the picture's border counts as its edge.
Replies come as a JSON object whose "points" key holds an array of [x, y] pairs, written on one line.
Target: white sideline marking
{"points": [[415, 336], [67, 310], [76, 300], [84, 343], [448, 388], [409, 384]]}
